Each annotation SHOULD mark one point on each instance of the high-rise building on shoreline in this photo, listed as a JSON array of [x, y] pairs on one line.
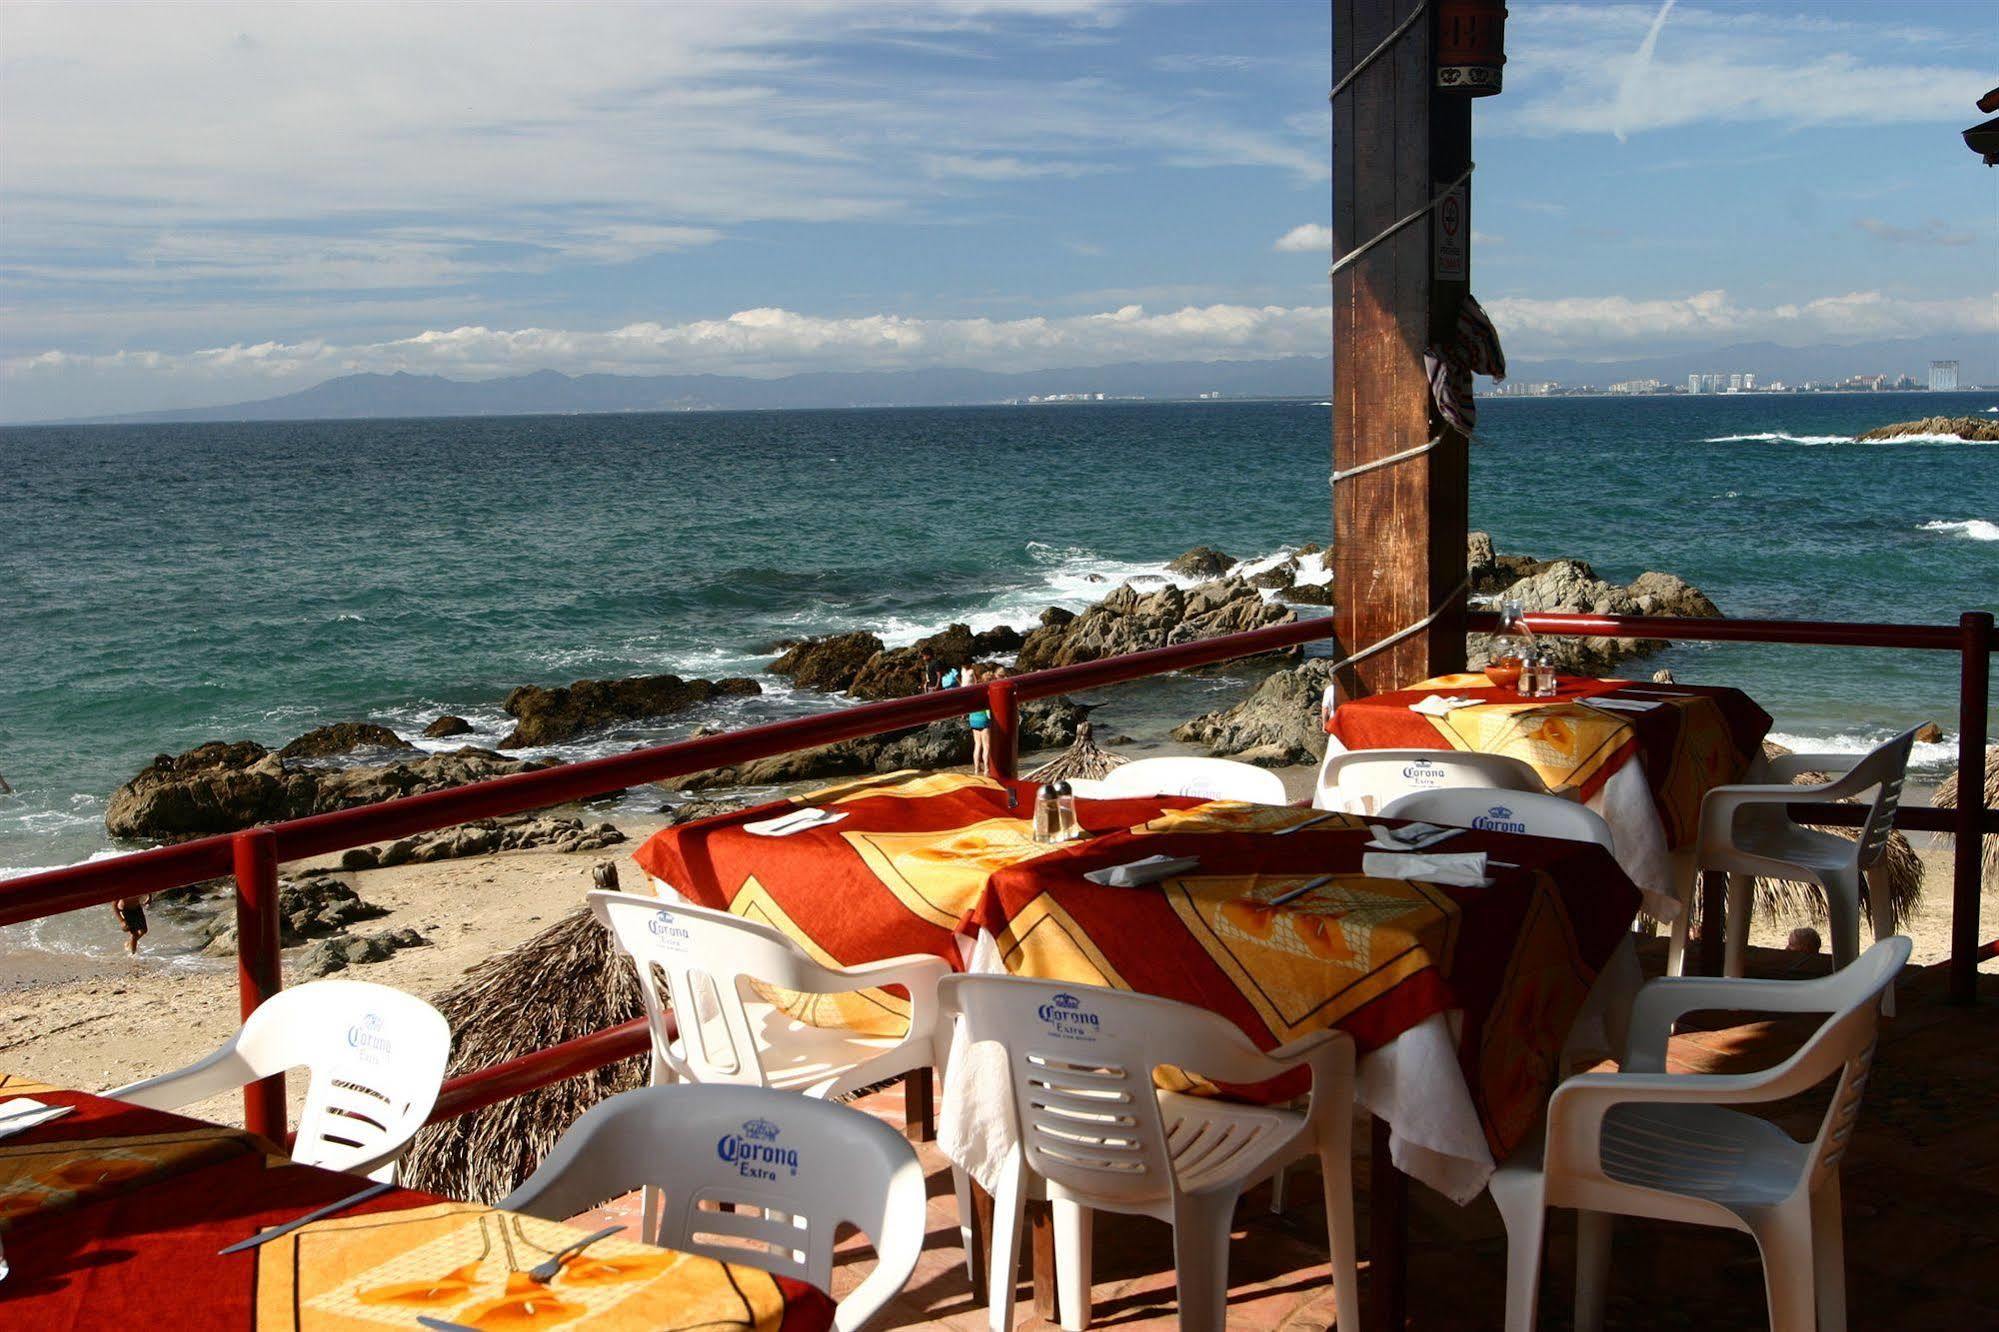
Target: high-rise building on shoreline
[[1943, 376]]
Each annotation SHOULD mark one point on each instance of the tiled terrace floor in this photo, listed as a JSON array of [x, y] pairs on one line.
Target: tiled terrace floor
[[1922, 1206]]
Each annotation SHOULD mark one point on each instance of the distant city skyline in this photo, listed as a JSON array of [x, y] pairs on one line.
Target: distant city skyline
[[214, 204]]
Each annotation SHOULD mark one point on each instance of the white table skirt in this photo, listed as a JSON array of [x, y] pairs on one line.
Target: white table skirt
[[1414, 1083], [1626, 804]]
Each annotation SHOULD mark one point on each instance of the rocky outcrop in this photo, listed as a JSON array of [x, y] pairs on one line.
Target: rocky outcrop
[[1492, 573], [691, 811], [827, 663], [1044, 724], [1131, 621], [549, 716], [443, 728], [337, 954], [898, 672], [1201, 562], [222, 786], [1277, 577], [1275, 725], [343, 738], [1968, 428], [527, 832], [307, 909]]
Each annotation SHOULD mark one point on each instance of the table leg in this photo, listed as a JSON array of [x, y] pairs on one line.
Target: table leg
[[982, 1240], [1714, 920], [1388, 1237], [1041, 1222], [919, 1115]]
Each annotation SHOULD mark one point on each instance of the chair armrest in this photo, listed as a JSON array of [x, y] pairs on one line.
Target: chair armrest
[[1662, 1002], [1576, 1111], [1721, 804], [1787, 767], [916, 972], [220, 1071]]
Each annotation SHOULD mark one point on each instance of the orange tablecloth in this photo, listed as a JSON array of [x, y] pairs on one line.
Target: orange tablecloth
[[1373, 957], [1698, 739], [106, 1228]]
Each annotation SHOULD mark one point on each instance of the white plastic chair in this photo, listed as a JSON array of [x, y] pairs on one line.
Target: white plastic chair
[[1206, 778], [1094, 1133], [1362, 781], [1513, 811], [376, 1058], [728, 1034], [1746, 831], [1643, 1142], [751, 1176]]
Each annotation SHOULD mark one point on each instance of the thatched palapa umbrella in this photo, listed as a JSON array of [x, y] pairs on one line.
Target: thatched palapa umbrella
[[1946, 798], [1081, 759], [565, 982]]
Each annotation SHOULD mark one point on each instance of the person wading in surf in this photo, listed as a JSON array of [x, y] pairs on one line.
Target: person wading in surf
[[131, 913]]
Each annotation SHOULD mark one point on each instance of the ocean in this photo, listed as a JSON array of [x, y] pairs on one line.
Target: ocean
[[165, 585]]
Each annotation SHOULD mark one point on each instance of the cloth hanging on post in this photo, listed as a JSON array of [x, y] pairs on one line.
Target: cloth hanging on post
[[1473, 348]]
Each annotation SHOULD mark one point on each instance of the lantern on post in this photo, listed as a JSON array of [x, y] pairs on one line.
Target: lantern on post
[[1471, 46]]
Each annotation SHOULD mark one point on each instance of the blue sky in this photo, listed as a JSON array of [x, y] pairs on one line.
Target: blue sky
[[208, 204]]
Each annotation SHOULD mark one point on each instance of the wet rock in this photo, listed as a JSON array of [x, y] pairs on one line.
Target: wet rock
[[525, 832], [1044, 724], [690, 811], [1968, 428], [1309, 594], [343, 738], [1571, 586], [221, 787], [827, 663], [549, 716], [1929, 733], [1201, 562], [311, 908], [443, 728], [898, 672], [1131, 621], [1278, 576], [1275, 725]]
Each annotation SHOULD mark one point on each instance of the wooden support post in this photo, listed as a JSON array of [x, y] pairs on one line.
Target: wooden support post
[[259, 965], [1041, 1242], [1974, 688], [1003, 731], [1387, 1305], [1398, 531], [1714, 924], [919, 1115]]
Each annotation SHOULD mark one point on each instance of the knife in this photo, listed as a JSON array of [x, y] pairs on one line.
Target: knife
[[266, 1236]]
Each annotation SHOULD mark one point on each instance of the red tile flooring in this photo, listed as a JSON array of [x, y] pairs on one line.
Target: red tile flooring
[[1921, 1187]]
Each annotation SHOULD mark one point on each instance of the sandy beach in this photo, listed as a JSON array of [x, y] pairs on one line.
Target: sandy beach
[[101, 1022]]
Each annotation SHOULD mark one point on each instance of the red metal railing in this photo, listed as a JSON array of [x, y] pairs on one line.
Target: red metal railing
[[253, 855]]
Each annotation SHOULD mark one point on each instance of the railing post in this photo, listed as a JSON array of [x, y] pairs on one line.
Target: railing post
[[259, 966], [1003, 732], [1974, 683]]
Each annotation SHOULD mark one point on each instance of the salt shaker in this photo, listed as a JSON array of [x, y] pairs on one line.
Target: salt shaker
[[1545, 683], [1065, 806], [1047, 814]]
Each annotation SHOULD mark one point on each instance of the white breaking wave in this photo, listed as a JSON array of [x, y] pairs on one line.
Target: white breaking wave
[[1934, 756], [1977, 529], [1780, 437]]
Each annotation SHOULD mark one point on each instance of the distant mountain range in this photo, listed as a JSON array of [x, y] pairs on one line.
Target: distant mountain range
[[548, 392]]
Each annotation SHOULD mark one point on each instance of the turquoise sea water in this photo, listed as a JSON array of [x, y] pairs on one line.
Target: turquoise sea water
[[165, 585]]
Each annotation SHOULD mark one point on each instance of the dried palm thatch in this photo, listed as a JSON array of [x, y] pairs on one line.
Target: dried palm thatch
[[1080, 759], [1783, 899], [565, 982], [1946, 798]]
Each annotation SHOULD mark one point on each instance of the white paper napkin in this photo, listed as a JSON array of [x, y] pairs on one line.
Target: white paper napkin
[[1612, 703], [797, 820], [1409, 836], [1439, 705], [1139, 872], [1463, 869], [21, 1113]]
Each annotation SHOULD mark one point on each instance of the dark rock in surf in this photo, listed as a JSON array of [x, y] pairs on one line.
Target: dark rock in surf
[[829, 664], [1131, 621], [1201, 562], [546, 716], [343, 738], [443, 728]]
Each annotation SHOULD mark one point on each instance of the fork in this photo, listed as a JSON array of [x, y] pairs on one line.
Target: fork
[[545, 1272]]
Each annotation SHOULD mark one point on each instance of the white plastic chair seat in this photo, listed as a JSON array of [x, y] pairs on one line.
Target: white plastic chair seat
[[798, 1057], [1702, 1151], [1204, 778], [1210, 1140], [1364, 781], [1763, 840]]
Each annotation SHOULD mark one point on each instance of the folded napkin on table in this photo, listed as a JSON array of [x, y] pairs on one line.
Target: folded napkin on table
[[1149, 870], [1462, 869], [797, 820], [22, 1113], [1438, 705], [1409, 836], [1617, 704]]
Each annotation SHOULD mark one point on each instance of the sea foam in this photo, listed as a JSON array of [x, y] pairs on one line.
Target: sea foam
[[1976, 529]]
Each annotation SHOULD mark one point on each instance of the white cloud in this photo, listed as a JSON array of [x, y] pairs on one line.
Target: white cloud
[[1608, 327], [1309, 238], [764, 342], [1625, 69]]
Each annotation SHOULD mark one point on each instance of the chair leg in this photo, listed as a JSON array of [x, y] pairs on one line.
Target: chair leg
[[1201, 1223], [1521, 1208], [1741, 903], [1277, 1189], [1881, 908], [1003, 1270], [968, 1232], [1336, 1172], [1592, 1268], [1842, 908], [1676, 939], [1074, 1255], [1829, 1256], [1789, 1276]]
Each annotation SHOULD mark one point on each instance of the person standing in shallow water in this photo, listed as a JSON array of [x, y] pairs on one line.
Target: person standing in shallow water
[[981, 721], [131, 913]]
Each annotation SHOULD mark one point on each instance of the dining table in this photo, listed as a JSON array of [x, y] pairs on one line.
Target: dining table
[[114, 1214], [1643, 754]]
